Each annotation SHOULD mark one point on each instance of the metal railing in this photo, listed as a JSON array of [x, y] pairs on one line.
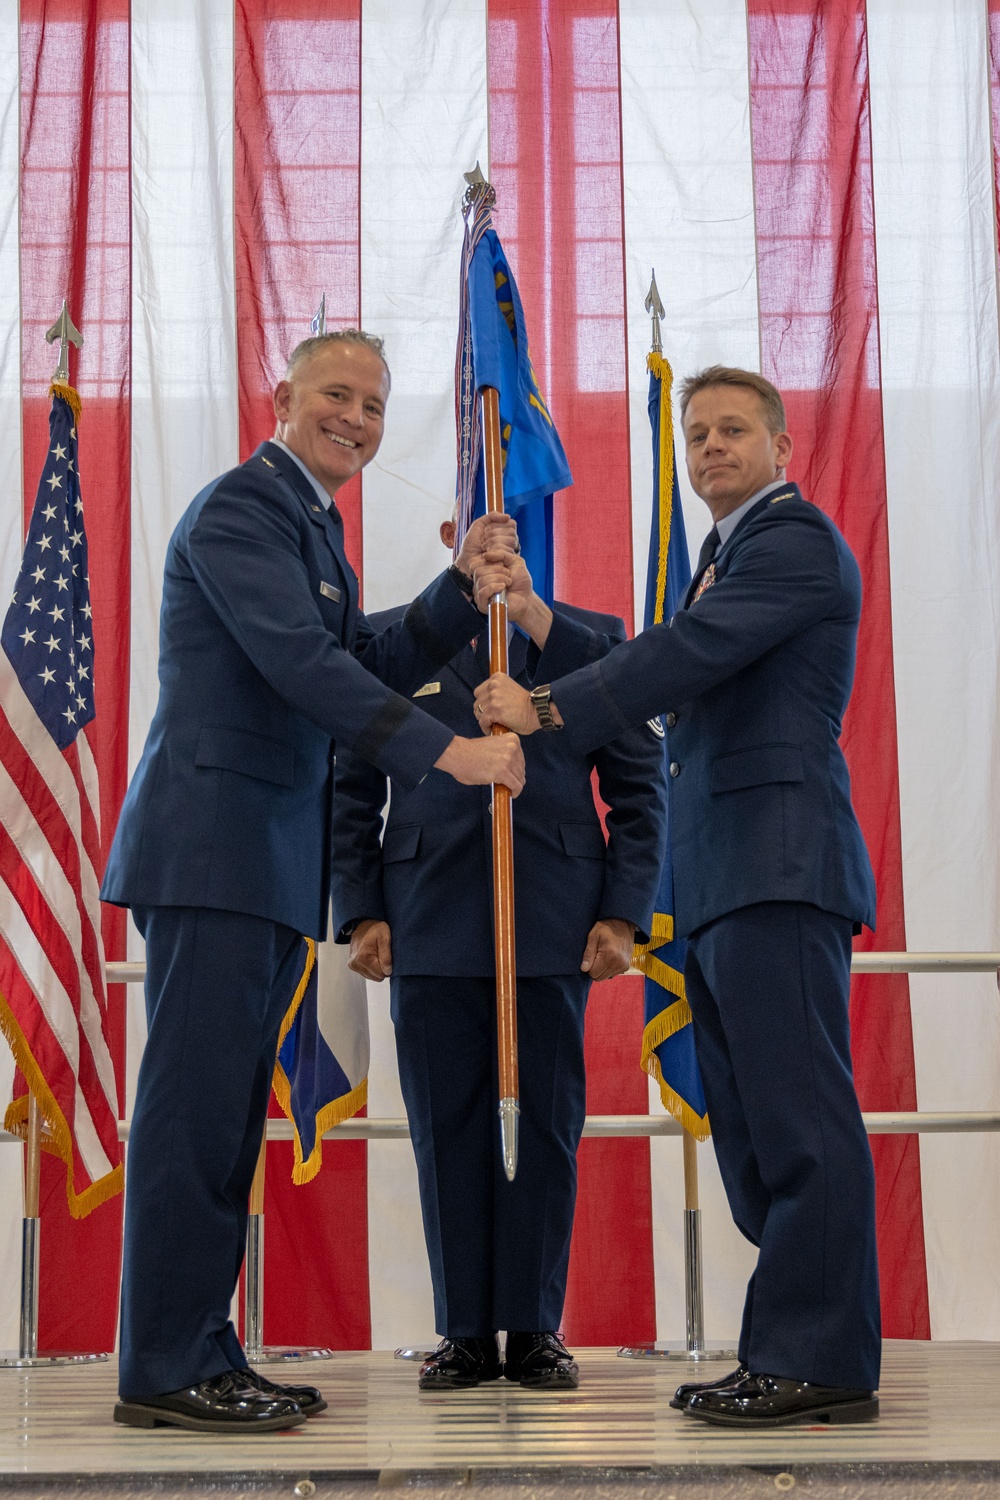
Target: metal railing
[[879, 1122]]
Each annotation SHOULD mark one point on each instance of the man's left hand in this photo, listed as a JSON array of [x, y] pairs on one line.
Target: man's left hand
[[487, 534], [609, 949], [500, 700]]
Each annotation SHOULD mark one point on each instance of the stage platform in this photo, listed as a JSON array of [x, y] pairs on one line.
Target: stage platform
[[939, 1434]]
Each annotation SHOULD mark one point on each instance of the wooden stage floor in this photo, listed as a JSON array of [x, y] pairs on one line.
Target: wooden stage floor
[[939, 1410]]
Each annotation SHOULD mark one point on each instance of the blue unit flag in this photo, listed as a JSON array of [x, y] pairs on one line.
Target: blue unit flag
[[321, 1076], [493, 351], [668, 1039]]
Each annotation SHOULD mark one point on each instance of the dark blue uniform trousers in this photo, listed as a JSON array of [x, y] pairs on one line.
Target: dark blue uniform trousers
[[498, 1251], [768, 988], [218, 984]]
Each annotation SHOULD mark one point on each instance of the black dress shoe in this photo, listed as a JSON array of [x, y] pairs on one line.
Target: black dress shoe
[[683, 1393], [457, 1363], [540, 1360], [772, 1401], [306, 1396], [225, 1403]]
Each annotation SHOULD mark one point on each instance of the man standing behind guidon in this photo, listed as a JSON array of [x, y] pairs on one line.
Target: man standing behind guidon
[[771, 875], [222, 850], [419, 906]]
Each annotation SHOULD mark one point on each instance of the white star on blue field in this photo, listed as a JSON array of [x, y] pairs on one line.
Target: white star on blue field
[[47, 633]]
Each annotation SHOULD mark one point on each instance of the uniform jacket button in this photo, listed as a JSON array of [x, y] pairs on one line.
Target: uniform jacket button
[[675, 769], [671, 720]]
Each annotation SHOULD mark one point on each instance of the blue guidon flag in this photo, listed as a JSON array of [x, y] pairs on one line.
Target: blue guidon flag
[[493, 351], [321, 1076], [667, 1039]]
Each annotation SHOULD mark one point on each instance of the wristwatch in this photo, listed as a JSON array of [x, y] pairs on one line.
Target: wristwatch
[[462, 580], [541, 699]]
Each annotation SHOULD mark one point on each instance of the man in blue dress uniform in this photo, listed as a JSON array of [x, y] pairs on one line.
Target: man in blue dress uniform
[[419, 906], [223, 850], [771, 876]]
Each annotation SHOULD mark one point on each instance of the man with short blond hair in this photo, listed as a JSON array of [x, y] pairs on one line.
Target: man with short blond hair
[[771, 876]]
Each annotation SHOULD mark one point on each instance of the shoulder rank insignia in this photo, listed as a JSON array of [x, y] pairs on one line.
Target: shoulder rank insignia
[[267, 461], [707, 579], [781, 495], [428, 690], [656, 725]]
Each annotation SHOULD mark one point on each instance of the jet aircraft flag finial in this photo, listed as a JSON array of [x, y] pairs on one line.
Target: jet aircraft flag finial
[[64, 329], [656, 311]]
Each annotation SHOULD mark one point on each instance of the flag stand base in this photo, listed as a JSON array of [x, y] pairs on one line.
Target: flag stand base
[[11, 1360], [284, 1354], [414, 1354], [27, 1357], [258, 1353], [694, 1348], [676, 1352]]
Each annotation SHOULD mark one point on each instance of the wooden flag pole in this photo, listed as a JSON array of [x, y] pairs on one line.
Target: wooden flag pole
[[503, 831]]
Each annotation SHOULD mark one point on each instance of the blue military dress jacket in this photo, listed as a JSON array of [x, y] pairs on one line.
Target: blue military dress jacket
[[266, 662], [431, 878], [754, 674]]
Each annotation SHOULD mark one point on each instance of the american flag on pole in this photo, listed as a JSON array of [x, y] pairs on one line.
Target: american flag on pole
[[53, 1003]]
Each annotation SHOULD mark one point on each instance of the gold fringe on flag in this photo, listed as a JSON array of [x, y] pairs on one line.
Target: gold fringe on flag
[[334, 1113], [57, 1138], [69, 395]]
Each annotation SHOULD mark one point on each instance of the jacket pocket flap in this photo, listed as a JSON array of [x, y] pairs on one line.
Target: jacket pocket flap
[[760, 765], [249, 754], [400, 843], [583, 840]]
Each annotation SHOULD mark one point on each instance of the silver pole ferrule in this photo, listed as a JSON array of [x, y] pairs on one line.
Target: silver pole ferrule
[[694, 1304], [253, 1307], [509, 1111], [29, 1288]]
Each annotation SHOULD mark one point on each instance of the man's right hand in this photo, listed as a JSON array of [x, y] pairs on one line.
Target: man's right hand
[[371, 950], [497, 759]]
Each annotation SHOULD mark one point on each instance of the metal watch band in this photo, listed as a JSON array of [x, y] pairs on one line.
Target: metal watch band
[[463, 581], [541, 698]]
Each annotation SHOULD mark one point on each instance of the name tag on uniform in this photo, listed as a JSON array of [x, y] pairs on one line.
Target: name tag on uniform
[[329, 592], [428, 689]]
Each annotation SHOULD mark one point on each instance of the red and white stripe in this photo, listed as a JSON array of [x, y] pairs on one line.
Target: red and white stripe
[[815, 184], [51, 956]]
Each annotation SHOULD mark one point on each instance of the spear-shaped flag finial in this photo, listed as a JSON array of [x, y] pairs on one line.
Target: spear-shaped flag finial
[[656, 311], [318, 324], [64, 329], [479, 191]]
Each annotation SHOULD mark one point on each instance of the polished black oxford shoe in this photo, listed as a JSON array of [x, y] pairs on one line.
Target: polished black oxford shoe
[[683, 1393], [540, 1360], [306, 1396], [225, 1403], [773, 1401], [457, 1363]]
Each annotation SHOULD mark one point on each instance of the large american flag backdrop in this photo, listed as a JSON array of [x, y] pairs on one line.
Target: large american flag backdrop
[[814, 182]]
